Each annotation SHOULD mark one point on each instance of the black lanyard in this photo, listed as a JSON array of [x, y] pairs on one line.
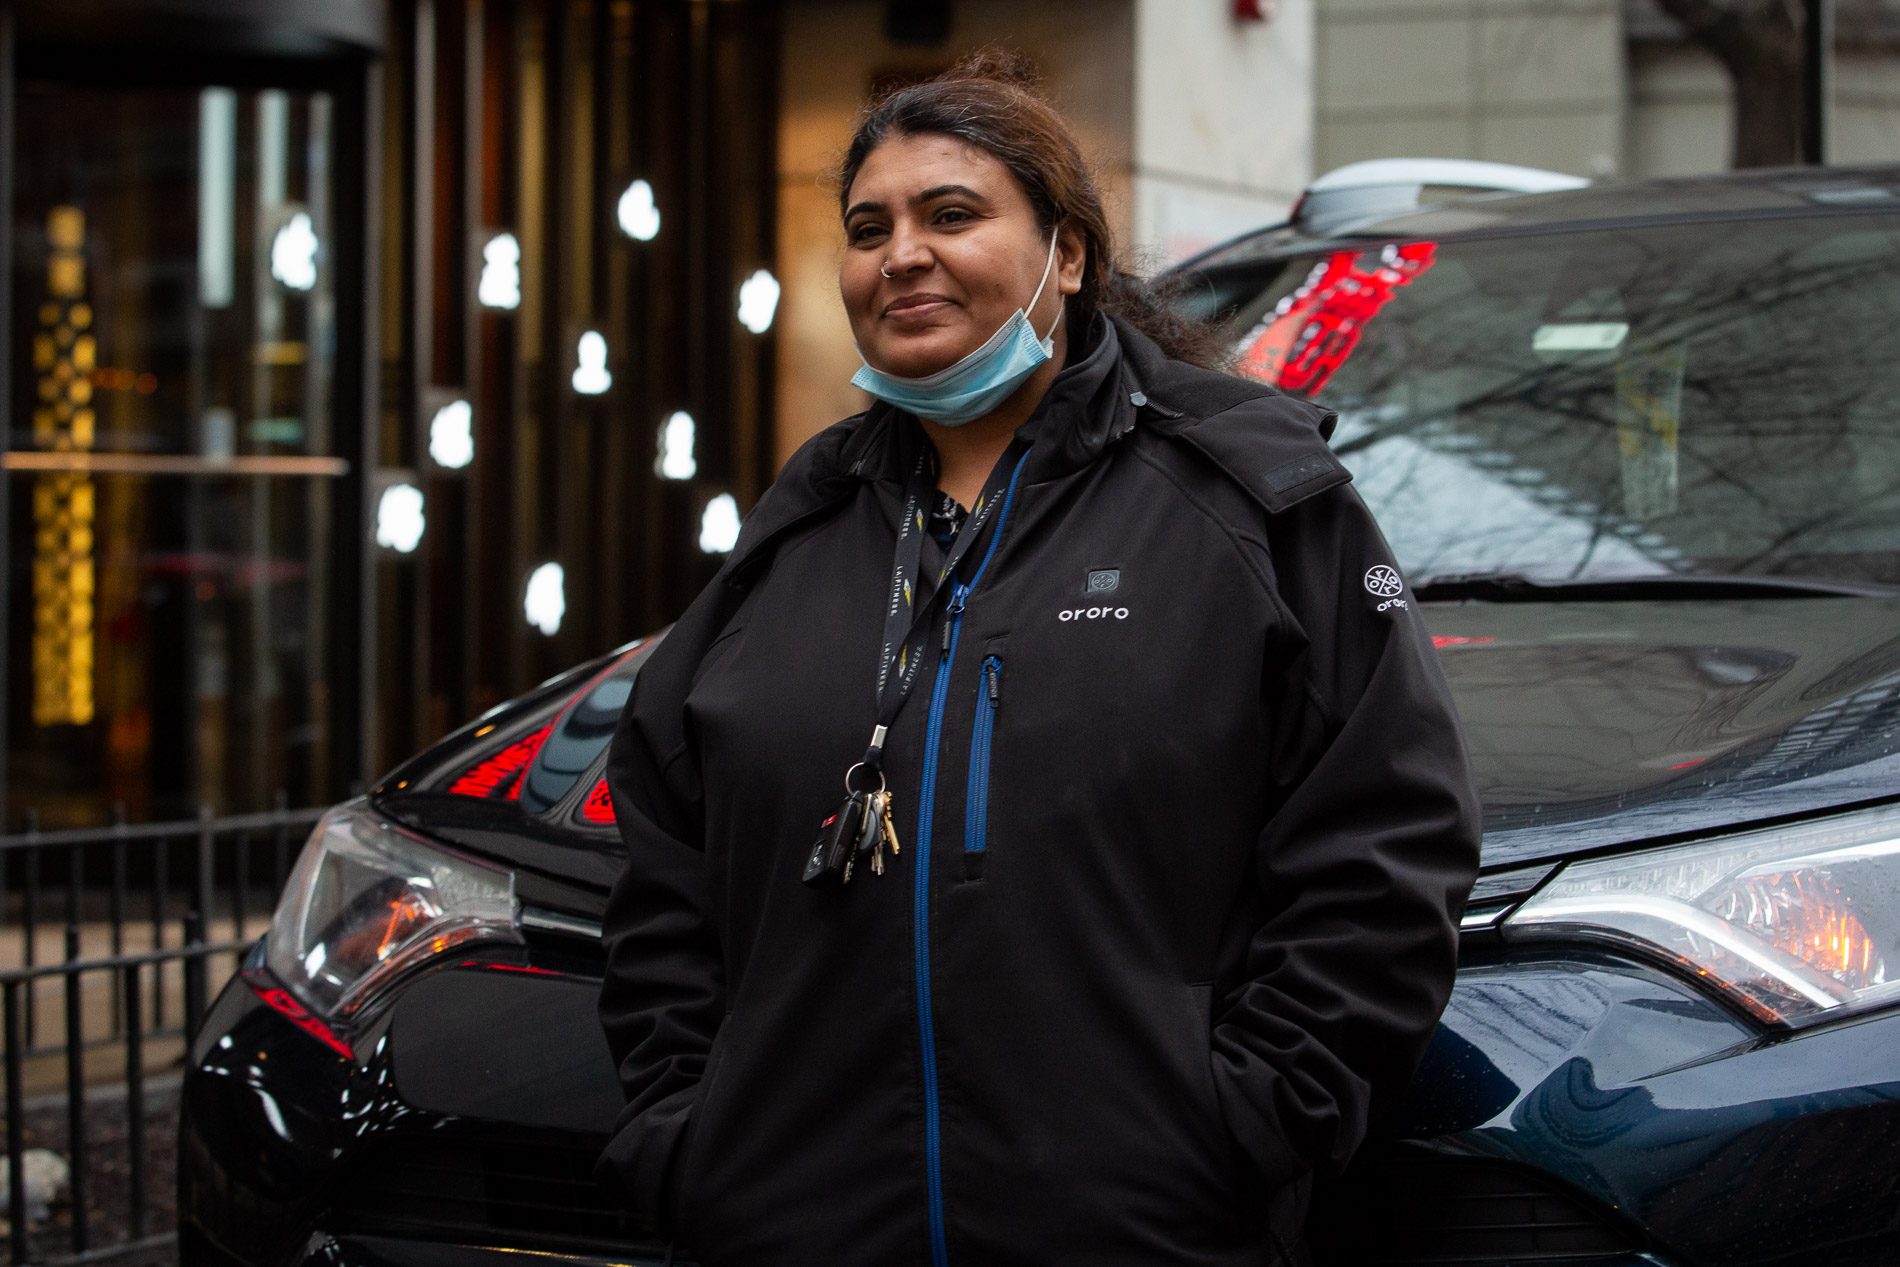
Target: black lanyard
[[906, 623]]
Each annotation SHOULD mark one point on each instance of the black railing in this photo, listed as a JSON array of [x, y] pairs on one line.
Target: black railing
[[203, 890]]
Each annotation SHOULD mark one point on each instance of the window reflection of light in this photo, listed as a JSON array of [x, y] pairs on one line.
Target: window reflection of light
[[1456, 510], [758, 301], [293, 253], [719, 525], [500, 284], [399, 518], [639, 214], [217, 197], [546, 600], [676, 460], [591, 377], [1579, 336], [452, 435]]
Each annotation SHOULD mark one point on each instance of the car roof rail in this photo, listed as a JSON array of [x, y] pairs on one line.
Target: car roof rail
[[1392, 186]]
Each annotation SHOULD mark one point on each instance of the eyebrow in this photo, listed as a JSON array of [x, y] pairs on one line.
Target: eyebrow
[[929, 195]]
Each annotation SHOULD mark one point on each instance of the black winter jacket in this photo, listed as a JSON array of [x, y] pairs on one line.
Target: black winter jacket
[[1180, 909]]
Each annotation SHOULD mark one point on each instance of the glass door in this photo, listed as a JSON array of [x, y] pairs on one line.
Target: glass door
[[176, 490]]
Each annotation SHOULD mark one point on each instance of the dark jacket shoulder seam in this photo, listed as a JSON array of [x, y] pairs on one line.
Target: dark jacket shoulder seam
[[1242, 403], [1235, 536]]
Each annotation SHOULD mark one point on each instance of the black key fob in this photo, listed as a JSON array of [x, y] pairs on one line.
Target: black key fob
[[841, 849], [837, 836]]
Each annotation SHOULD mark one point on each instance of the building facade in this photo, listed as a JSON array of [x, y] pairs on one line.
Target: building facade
[[366, 363]]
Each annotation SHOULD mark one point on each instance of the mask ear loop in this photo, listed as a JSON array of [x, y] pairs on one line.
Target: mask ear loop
[[1046, 270]]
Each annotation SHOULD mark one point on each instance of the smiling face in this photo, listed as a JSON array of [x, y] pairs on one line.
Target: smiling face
[[956, 231]]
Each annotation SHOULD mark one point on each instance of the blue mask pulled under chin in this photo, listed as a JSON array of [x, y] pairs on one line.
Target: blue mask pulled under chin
[[981, 381]]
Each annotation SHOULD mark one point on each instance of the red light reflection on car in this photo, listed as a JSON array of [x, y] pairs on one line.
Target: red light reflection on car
[[284, 1003], [1315, 329], [1459, 640], [491, 774], [489, 965], [599, 807], [500, 774]]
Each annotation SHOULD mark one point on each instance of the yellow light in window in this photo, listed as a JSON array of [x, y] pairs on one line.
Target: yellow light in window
[[66, 275], [63, 506], [66, 228]]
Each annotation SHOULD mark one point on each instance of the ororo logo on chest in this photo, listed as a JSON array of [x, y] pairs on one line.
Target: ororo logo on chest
[[1092, 613]]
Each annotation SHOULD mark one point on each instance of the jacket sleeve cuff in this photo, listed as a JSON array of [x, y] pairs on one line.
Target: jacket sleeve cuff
[[1258, 1134], [641, 1161]]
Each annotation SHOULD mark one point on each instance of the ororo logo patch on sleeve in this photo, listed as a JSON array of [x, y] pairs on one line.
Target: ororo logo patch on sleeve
[[1383, 581]]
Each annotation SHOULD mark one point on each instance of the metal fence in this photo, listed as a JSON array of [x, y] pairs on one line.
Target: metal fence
[[120, 935]]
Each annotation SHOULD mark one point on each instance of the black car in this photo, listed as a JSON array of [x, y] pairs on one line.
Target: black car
[[1638, 451]]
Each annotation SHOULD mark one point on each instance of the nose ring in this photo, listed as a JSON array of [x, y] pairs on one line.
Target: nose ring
[[887, 273]]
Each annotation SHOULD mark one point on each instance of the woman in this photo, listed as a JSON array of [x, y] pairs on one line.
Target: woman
[[1046, 836]]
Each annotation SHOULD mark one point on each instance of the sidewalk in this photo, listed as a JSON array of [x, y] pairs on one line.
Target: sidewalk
[[161, 994]]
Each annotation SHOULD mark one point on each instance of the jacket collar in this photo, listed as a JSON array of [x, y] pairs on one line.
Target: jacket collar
[[1083, 411], [1121, 378], [1091, 403]]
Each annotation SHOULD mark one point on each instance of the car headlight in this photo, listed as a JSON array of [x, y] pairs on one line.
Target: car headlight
[[367, 901], [1798, 924]]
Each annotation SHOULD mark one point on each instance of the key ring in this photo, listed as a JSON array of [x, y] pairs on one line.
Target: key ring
[[852, 772]]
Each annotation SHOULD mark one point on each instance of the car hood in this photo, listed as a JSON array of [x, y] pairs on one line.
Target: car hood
[[1599, 724]]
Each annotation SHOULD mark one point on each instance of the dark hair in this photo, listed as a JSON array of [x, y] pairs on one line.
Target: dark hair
[[990, 100]]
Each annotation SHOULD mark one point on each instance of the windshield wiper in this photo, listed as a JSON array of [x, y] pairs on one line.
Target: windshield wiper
[[1515, 587]]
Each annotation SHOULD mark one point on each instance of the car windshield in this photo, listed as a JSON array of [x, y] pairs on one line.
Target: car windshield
[[1717, 398]]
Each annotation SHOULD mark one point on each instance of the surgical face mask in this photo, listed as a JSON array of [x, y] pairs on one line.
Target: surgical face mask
[[979, 382]]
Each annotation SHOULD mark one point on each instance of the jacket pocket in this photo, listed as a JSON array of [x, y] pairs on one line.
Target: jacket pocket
[[976, 800], [682, 1176], [1233, 1157]]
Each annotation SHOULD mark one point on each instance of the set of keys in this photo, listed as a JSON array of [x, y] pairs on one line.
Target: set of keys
[[861, 827]]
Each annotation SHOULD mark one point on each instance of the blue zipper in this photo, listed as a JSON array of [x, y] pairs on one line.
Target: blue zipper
[[926, 808], [976, 813]]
